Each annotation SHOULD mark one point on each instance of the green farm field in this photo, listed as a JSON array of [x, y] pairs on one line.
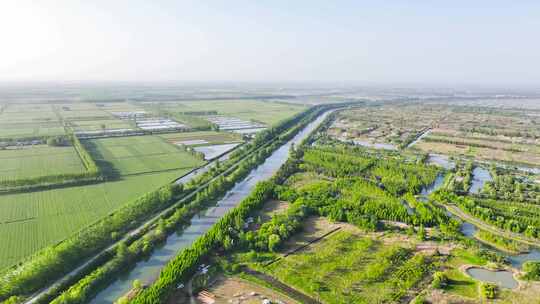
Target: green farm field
[[141, 154], [95, 125], [27, 120], [39, 160], [31, 221]]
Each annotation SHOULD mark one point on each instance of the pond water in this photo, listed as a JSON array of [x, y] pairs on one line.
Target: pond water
[[502, 278], [211, 152], [147, 271], [480, 177], [368, 144], [441, 160], [196, 172]]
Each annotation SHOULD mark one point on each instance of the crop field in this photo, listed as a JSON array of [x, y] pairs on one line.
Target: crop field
[[31, 221], [141, 154], [27, 120], [255, 110], [32, 120], [391, 125], [38, 160], [350, 268], [101, 124]]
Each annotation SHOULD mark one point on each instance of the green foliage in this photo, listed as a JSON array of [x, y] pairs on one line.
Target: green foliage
[[347, 268], [488, 290], [501, 242], [532, 270], [439, 280], [512, 216]]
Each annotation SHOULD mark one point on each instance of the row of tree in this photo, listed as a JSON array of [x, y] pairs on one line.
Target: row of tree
[[510, 216]]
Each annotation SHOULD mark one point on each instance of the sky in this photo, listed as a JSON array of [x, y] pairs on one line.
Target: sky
[[428, 42]]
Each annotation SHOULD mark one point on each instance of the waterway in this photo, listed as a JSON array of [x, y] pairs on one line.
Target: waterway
[[148, 270]]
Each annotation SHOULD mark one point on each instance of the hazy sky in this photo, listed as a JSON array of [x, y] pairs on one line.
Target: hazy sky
[[448, 42]]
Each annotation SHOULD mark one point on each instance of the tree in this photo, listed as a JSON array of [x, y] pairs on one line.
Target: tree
[[421, 233], [273, 242], [439, 280], [137, 284], [488, 290]]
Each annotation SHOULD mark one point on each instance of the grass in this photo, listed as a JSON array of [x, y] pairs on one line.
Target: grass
[[347, 268], [38, 160], [140, 154], [461, 284], [458, 282]]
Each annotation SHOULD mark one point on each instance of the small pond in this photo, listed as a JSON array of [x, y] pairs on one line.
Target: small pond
[[368, 144], [480, 177], [502, 278]]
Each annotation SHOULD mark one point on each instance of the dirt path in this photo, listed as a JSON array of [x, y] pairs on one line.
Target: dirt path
[[286, 289]]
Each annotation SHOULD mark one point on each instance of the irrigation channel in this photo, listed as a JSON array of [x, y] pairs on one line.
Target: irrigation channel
[[503, 278], [148, 270]]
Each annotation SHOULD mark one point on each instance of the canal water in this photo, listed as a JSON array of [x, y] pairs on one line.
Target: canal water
[[148, 270]]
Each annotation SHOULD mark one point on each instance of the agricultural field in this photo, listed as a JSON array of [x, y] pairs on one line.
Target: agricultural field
[[45, 217], [31, 221], [268, 113], [38, 160], [507, 135], [140, 154], [201, 138], [29, 120], [390, 126]]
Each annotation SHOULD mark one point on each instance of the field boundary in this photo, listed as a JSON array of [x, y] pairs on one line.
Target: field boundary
[[316, 240], [282, 287], [92, 174]]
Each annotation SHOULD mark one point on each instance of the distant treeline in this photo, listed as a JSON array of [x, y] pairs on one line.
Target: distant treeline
[[199, 113]]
